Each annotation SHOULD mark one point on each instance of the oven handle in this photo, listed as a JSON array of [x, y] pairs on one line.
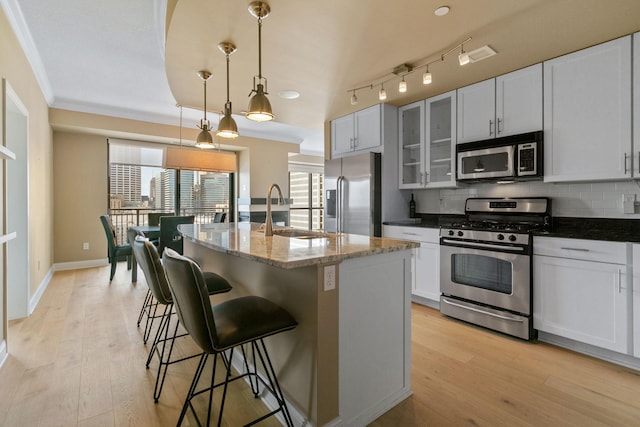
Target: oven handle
[[477, 310], [458, 243]]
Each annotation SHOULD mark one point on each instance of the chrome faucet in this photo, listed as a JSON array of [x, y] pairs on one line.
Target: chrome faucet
[[268, 226]]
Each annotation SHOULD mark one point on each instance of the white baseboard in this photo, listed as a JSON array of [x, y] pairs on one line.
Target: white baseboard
[[3, 352], [35, 299], [590, 350], [76, 265]]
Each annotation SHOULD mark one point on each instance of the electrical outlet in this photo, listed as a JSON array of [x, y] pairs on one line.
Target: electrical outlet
[[85, 246], [329, 277]]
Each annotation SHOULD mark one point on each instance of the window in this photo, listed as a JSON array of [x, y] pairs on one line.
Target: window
[[306, 189], [139, 184]]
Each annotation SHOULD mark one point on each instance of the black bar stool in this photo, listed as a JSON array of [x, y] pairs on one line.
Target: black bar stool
[[223, 327], [147, 256]]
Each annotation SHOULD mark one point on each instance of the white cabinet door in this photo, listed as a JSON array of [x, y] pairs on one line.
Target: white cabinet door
[[342, 135], [476, 111], [368, 132], [411, 136], [426, 262], [636, 104], [587, 114], [582, 300], [427, 271], [519, 101], [440, 140], [359, 131], [636, 300]]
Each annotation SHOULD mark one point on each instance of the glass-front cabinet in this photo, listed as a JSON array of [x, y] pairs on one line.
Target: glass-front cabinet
[[411, 128], [427, 142]]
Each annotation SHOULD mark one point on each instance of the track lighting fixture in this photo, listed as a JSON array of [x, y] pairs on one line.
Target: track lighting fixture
[[382, 94], [227, 127], [426, 77], [259, 106], [402, 86], [405, 69], [463, 58], [204, 139]]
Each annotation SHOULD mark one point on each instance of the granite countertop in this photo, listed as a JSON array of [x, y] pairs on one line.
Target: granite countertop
[[607, 229], [245, 240]]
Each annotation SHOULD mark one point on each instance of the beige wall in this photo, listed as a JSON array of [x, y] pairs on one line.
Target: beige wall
[[80, 175], [15, 68], [80, 189]]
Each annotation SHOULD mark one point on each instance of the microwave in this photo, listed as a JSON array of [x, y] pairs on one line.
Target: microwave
[[508, 158]]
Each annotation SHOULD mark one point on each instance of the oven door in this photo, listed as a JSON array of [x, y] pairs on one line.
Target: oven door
[[479, 273], [494, 162]]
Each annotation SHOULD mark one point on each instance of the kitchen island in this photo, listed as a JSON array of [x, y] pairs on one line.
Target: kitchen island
[[348, 361]]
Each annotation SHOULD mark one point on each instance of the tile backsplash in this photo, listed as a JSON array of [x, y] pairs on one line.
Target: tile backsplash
[[598, 199]]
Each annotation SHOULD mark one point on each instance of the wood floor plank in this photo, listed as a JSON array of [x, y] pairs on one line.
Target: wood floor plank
[[79, 359]]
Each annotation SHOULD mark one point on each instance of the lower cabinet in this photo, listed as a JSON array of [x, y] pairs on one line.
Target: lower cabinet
[[426, 263], [636, 299], [581, 291]]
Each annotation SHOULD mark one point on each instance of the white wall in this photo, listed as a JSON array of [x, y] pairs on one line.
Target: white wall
[[598, 199]]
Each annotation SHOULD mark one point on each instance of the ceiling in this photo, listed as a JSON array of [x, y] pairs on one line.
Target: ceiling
[[137, 59]]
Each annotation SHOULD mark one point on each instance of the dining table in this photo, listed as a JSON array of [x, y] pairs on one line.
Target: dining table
[[151, 232]]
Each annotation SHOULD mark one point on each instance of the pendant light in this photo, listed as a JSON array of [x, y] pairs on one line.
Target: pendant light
[[227, 127], [204, 139], [259, 106]]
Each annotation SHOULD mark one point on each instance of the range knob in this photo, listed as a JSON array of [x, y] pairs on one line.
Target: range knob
[[512, 238], [500, 236], [460, 233], [451, 233]]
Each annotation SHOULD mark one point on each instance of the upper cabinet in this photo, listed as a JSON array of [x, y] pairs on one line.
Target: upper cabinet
[[587, 114], [636, 105], [507, 105], [357, 132], [427, 132], [411, 137]]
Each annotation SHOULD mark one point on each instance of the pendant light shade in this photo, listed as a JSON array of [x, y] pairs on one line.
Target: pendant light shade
[[227, 127], [259, 106], [204, 139]]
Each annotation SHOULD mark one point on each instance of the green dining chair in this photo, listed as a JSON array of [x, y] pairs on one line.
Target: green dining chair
[[115, 251]]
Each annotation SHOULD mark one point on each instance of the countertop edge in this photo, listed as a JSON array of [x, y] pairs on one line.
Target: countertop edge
[[399, 245]]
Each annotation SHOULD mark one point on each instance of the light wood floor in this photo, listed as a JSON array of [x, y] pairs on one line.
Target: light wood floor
[[78, 360]]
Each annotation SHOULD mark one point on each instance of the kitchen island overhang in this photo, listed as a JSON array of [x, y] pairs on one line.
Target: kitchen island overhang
[[348, 361]]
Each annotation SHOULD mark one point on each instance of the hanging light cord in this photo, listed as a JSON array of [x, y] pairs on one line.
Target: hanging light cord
[[227, 104], [260, 48]]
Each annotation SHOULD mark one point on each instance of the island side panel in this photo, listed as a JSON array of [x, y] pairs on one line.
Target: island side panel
[[375, 335], [295, 353]]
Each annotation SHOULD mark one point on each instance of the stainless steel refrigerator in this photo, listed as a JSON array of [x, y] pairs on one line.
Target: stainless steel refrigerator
[[353, 195]]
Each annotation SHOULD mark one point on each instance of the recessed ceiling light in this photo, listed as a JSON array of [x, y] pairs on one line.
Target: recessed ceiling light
[[441, 11], [289, 94]]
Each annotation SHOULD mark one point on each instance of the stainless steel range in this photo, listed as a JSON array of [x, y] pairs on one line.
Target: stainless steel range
[[485, 263]]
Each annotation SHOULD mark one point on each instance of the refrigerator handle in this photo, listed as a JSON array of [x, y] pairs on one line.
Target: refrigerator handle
[[339, 205]]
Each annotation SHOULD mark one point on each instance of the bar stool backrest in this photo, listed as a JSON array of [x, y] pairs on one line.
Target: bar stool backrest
[[191, 299], [149, 259]]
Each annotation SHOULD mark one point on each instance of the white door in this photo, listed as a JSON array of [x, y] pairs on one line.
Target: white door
[[368, 128], [342, 135], [476, 111], [427, 280], [581, 300], [636, 300], [519, 101], [17, 196], [587, 114]]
